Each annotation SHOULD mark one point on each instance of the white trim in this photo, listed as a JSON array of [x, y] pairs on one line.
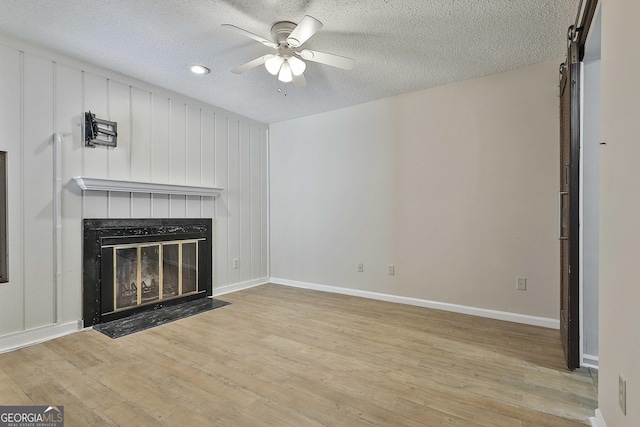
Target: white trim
[[473, 311], [100, 184], [590, 361], [36, 335], [598, 419], [239, 286]]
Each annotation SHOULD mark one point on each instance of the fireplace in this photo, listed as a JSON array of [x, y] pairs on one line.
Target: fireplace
[[134, 265]]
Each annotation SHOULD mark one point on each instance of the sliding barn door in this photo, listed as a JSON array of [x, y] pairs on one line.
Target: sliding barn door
[[568, 206]]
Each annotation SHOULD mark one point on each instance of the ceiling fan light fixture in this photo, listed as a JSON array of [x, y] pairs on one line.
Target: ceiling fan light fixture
[[285, 75], [297, 66], [274, 64], [289, 61]]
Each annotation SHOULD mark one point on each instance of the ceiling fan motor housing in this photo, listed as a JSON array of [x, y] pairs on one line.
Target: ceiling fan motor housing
[[280, 31]]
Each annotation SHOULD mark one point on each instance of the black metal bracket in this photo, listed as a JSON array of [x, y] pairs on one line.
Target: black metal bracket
[[99, 131]]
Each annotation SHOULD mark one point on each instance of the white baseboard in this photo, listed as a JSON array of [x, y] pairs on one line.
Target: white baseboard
[[36, 335], [239, 286], [590, 361], [473, 311], [598, 420]]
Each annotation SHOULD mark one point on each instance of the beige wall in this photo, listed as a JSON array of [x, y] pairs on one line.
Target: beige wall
[[620, 212], [163, 137], [456, 186]]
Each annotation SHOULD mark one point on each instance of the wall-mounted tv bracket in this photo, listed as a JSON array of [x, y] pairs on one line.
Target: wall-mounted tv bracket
[[99, 131]]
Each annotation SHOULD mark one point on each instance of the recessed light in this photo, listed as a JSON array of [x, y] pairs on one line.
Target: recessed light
[[199, 69]]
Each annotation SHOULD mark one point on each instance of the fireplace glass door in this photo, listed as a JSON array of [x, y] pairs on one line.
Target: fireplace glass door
[[147, 273]]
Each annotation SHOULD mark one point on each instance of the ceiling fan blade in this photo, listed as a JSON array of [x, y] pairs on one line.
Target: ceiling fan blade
[[328, 59], [299, 81], [307, 27], [251, 64], [251, 35]]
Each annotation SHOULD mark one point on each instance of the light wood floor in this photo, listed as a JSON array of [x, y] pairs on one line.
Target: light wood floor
[[282, 356]]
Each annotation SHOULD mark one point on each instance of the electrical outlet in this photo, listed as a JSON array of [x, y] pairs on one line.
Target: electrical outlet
[[521, 283], [622, 394], [236, 263], [392, 270], [360, 267]]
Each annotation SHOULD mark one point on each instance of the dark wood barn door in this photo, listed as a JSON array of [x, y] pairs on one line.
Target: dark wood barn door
[[569, 193], [568, 206]]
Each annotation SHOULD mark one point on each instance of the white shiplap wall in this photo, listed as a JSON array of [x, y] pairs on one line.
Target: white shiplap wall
[[162, 137]]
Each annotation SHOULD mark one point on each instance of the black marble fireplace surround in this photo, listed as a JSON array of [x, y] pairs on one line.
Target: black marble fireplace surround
[[102, 235]]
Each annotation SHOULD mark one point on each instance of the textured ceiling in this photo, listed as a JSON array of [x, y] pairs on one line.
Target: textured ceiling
[[399, 45]]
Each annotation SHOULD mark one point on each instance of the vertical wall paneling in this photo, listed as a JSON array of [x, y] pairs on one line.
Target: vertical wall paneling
[[208, 149], [160, 206], [38, 179], [207, 174], [192, 150], [159, 138], [141, 205], [120, 112], [245, 201], [223, 259], [256, 208], [141, 152], [56, 153], [208, 210], [68, 108], [119, 103], [140, 165], [177, 155], [160, 148], [163, 137], [207, 178], [95, 204], [264, 204], [233, 223], [193, 207], [11, 293], [193, 154], [96, 160], [178, 206], [119, 205]]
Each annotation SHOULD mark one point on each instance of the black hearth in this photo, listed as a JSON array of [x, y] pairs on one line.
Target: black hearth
[[134, 265]]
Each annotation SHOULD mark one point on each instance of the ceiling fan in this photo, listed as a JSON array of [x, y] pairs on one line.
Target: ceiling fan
[[287, 63]]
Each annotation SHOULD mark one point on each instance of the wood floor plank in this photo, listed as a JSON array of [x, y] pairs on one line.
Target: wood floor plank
[[292, 357]]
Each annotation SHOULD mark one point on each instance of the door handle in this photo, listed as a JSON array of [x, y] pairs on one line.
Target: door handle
[[560, 198]]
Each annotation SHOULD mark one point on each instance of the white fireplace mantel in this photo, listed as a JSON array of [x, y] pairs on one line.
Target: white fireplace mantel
[[102, 184]]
